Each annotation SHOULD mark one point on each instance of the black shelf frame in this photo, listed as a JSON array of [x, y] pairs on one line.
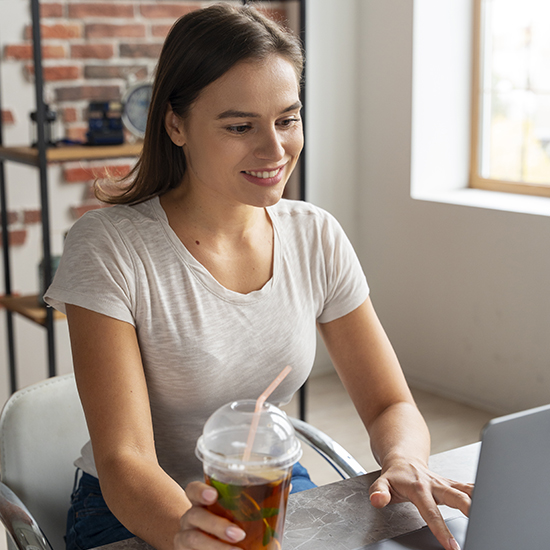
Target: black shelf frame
[[44, 203]]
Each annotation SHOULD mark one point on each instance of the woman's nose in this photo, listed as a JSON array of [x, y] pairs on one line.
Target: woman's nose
[[270, 146]]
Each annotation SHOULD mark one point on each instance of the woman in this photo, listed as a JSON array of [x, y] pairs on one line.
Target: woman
[[203, 283]]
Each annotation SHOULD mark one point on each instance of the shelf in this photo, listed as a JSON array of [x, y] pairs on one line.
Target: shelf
[[29, 155], [29, 307]]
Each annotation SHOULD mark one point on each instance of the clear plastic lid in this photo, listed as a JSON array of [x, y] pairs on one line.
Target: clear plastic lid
[[225, 435]]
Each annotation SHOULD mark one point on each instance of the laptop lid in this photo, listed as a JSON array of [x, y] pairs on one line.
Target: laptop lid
[[511, 501]]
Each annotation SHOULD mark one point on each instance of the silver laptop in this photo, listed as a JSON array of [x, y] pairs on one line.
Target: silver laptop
[[511, 501]]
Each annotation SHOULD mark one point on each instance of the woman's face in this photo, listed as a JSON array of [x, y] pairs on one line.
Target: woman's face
[[243, 135]]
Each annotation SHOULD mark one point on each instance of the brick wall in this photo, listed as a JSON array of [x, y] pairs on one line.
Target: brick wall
[[94, 51]]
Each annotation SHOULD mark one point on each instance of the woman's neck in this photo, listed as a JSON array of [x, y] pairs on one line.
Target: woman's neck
[[234, 243]]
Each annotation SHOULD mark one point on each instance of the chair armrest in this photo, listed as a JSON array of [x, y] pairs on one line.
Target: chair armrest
[[330, 450], [19, 523]]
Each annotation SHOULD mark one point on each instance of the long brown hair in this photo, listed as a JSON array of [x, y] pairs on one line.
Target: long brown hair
[[201, 47]]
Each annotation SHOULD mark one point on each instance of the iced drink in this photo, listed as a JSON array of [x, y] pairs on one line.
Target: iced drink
[[253, 493]]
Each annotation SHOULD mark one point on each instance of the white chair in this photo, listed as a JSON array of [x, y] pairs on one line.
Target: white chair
[[42, 429]]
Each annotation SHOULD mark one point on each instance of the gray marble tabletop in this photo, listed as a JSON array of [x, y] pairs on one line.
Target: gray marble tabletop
[[339, 516]]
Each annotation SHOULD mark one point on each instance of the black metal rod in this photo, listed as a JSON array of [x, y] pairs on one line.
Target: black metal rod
[[43, 175], [10, 332], [303, 112], [303, 389]]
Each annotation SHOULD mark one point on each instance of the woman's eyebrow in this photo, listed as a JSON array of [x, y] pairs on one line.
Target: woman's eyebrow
[[232, 113]]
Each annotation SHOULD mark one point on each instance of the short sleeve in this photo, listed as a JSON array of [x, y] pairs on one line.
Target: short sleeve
[[95, 271], [346, 285]]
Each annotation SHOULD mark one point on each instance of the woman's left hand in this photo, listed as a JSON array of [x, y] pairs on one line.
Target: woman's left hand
[[411, 481]]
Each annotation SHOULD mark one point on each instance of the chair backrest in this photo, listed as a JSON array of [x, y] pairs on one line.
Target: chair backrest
[[42, 429]]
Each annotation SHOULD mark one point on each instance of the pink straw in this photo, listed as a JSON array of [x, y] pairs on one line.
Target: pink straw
[[258, 411]]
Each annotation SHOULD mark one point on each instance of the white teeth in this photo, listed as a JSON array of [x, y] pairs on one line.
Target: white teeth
[[263, 175]]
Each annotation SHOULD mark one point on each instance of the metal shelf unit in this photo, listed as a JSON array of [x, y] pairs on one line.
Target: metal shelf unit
[[39, 157]]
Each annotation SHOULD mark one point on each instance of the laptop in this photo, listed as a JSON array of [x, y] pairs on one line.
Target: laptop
[[511, 500]]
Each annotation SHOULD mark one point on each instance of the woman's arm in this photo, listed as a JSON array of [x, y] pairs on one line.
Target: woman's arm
[[113, 391], [370, 372]]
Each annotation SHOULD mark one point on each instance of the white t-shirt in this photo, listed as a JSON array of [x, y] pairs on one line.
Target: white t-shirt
[[203, 345]]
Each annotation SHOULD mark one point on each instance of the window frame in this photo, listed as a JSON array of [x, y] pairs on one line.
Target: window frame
[[476, 180]]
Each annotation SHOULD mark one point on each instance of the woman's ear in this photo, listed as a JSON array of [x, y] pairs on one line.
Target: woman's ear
[[174, 127]]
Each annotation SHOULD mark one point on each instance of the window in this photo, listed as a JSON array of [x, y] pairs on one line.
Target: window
[[511, 102]]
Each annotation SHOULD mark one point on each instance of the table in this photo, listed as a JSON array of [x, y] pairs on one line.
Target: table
[[339, 516]]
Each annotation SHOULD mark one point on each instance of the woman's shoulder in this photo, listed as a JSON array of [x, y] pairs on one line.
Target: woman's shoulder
[[303, 216], [296, 209], [109, 218]]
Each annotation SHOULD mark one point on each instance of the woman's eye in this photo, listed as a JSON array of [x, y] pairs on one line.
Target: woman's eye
[[239, 129], [288, 122]]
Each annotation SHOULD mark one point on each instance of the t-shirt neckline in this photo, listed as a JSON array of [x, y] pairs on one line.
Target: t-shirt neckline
[[203, 275]]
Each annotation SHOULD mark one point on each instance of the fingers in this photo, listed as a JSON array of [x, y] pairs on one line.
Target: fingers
[[426, 490], [455, 495], [201, 529], [429, 511], [196, 540], [380, 493], [201, 494]]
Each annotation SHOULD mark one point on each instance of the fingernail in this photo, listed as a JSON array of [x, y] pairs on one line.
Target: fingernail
[[210, 495], [235, 534], [453, 544]]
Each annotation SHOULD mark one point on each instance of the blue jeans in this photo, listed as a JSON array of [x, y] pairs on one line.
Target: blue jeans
[[90, 523]]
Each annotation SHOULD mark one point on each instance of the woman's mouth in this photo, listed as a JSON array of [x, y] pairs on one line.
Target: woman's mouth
[[264, 177]]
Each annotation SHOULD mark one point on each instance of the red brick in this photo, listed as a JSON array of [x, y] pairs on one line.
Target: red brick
[[76, 133], [77, 93], [87, 173], [32, 216], [100, 30], [17, 237], [60, 72], [24, 51], [151, 51], [167, 11], [51, 10], [100, 9], [66, 72], [115, 71], [58, 31], [160, 31], [69, 114], [92, 51], [8, 116], [77, 174]]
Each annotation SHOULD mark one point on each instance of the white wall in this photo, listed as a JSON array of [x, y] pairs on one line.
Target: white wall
[[331, 117], [462, 291]]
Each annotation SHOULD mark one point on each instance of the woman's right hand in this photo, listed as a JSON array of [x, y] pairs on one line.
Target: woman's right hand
[[200, 529]]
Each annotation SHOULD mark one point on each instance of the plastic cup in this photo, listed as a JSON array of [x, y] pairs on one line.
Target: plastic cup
[[253, 494]]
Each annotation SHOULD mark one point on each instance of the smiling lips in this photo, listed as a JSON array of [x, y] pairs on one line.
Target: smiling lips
[[264, 177]]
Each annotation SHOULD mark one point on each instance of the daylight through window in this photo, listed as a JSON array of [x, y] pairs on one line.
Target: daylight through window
[[511, 115]]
